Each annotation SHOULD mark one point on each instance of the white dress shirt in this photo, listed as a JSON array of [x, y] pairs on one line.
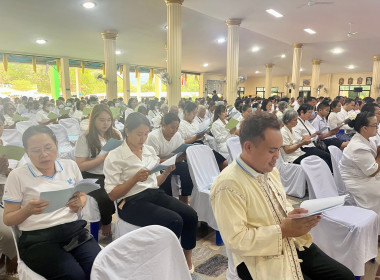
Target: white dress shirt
[[300, 130], [188, 130], [162, 146], [288, 139], [320, 123], [221, 134]]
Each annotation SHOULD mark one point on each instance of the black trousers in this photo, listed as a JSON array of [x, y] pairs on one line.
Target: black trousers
[[333, 142], [42, 251], [315, 265], [317, 152], [155, 207], [105, 204], [181, 169]]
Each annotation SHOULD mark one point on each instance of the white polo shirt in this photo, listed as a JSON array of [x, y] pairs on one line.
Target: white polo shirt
[[82, 150], [121, 164], [163, 147], [8, 120], [187, 129], [27, 182], [42, 116]]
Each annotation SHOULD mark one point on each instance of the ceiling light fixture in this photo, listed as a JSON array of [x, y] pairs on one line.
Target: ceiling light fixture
[[205, 64], [166, 27], [88, 4], [351, 66], [257, 72], [283, 56], [41, 41], [309, 30], [337, 51], [255, 49], [274, 13], [301, 69], [118, 52], [221, 40]]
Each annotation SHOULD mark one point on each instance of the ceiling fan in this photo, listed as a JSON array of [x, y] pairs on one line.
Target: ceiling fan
[[350, 33], [311, 3]]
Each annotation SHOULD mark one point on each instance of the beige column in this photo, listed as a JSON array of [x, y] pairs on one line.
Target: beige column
[[174, 43], [138, 85], [375, 90], [157, 86], [297, 56], [315, 72], [65, 78], [232, 59], [201, 81], [77, 81], [109, 37], [268, 79], [126, 83]]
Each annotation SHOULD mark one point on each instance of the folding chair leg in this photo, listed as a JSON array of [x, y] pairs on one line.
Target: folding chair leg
[[218, 238], [95, 230]]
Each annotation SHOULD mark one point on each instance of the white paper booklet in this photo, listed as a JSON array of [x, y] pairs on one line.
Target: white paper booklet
[[165, 164], [320, 205]]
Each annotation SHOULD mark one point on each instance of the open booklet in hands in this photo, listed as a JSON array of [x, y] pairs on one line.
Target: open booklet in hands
[[163, 165], [59, 199], [320, 205]]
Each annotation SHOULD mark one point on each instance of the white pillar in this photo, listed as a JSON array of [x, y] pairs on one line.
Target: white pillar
[[232, 59], [201, 85], [109, 37], [268, 80], [297, 56], [375, 77], [138, 85], [174, 43], [77, 81], [315, 76], [126, 83], [65, 78]]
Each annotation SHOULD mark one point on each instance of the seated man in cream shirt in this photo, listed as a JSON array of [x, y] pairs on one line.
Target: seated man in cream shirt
[[255, 220]]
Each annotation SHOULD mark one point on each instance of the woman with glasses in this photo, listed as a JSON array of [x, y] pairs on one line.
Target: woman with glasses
[[360, 163], [56, 244], [90, 158]]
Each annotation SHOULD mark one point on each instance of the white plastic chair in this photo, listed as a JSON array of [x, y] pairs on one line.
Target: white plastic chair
[[336, 156], [12, 137], [24, 272], [151, 252], [24, 125], [348, 234], [72, 127], [293, 177], [234, 147], [122, 227], [64, 147]]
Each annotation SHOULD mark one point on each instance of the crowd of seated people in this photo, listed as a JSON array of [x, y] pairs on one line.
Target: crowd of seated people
[[150, 132]]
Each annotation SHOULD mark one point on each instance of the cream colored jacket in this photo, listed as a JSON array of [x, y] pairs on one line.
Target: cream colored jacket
[[248, 220]]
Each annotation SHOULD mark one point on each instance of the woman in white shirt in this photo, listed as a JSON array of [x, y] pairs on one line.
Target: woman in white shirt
[[246, 111], [54, 244], [78, 115], [188, 129], [219, 130], [42, 115], [360, 163], [90, 158], [301, 132], [132, 103], [335, 119], [9, 112], [164, 141], [153, 110], [140, 201]]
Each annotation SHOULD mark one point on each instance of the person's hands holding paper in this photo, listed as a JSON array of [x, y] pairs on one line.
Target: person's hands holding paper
[[306, 140], [77, 202], [293, 226], [168, 170], [36, 206], [142, 175]]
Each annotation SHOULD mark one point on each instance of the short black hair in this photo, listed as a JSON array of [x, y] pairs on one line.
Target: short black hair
[[370, 107], [304, 108], [37, 129], [169, 118], [134, 120], [323, 105], [348, 101], [253, 128]]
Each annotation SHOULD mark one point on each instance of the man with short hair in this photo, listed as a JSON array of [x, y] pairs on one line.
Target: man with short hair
[[255, 220], [298, 103]]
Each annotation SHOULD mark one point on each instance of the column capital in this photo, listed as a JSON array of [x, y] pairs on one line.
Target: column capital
[[233, 21], [376, 58], [109, 34], [174, 2], [297, 45], [316, 61], [269, 65]]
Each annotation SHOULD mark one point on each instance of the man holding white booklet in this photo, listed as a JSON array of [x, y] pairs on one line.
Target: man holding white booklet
[[267, 237]]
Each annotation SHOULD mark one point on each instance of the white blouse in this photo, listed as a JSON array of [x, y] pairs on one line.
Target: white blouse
[[8, 120], [288, 139], [300, 130], [188, 130], [163, 147], [221, 134], [42, 116], [121, 164]]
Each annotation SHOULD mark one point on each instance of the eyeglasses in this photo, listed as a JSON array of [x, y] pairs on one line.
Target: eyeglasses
[[39, 151], [373, 125]]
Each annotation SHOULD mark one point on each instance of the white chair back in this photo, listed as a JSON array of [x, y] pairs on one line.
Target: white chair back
[[203, 171], [151, 252], [24, 125], [319, 179], [12, 137], [71, 125], [24, 272], [234, 147], [65, 149], [336, 156]]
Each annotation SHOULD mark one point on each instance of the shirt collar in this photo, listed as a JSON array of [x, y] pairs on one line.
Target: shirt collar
[[247, 168], [127, 152], [36, 173]]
